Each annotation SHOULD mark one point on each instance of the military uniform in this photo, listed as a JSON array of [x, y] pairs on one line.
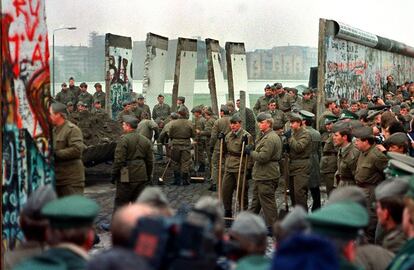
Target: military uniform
[[139, 109], [122, 113], [99, 96], [183, 107], [68, 148], [394, 239], [65, 96], [199, 141], [279, 118], [180, 132], [284, 102], [147, 128], [206, 134], [329, 163], [308, 105], [75, 90], [135, 152], [314, 176], [321, 120], [266, 173], [347, 162], [261, 104], [160, 113], [221, 125], [300, 145], [86, 98], [234, 142]]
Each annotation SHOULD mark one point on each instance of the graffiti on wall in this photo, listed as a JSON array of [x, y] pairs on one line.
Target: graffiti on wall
[[26, 157], [120, 77], [354, 70]]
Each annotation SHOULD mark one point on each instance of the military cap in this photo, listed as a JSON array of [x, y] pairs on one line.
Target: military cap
[[39, 198], [83, 84], [126, 102], [346, 114], [58, 107], [181, 98], [330, 119], [272, 100], [363, 132], [340, 126], [80, 103], [70, 103], [71, 78], [71, 212], [263, 116], [97, 85], [306, 115], [133, 121], [341, 219], [294, 90], [295, 220], [160, 95], [267, 86], [397, 168], [235, 118], [63, 84], [208, 111], [363, 113], [398, 138], [153, 195], [353, 101], [391, 187], [401, 157], [306, 91], [278, 86], [410, 192], [96, 101], [140, 96], [196, 109], [330, 100], [404, 105], [363, 100], [247, 223], [224, 109], [348, 193], [295, 117], [354, 124]]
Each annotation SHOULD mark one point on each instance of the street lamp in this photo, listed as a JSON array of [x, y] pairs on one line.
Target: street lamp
[[53, 52]]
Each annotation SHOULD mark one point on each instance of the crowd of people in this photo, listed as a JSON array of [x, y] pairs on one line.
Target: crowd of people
[[358, 151]]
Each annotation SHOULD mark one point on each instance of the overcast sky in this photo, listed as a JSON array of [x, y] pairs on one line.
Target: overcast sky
[[260, 24]]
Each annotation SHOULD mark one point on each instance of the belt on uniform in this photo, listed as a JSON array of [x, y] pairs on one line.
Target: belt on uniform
[[296, 160]]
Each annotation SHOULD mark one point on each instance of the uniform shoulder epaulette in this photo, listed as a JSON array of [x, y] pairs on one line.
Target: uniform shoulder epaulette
[[70, 124]]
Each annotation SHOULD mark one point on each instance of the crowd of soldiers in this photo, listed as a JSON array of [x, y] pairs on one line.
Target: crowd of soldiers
[[358, 150]]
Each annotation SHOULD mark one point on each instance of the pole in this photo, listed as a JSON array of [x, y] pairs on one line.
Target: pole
[[53, 63], [219, 170], [238, 180]]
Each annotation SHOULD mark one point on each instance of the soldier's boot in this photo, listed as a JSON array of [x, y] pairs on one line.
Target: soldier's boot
[[186, 179], [316, 198], [177, 179], [228, 222]]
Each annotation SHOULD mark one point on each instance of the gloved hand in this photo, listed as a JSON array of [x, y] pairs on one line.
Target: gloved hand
[[248, 149], [221, 136], [245, 139], [288, 134]]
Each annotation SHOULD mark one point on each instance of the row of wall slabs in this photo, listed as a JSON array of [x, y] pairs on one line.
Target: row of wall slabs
[[119, 71]]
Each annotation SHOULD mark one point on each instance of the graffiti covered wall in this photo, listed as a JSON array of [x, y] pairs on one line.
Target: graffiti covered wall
[[26, 135], [118, 67], [352, 63]]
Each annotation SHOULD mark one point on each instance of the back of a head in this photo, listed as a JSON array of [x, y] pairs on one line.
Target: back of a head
[[348, 193], [154, 197], [208, 210], [124, 221], [118, 258]]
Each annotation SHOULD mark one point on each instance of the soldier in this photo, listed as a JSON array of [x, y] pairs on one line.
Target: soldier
[[283, 100], [126, 111], [141, 107], [133, 163], [330, 105], [147, 127], [180, 132], [389, 208], [231, 107], [279, 117], [97, 107], [329, 163], [206, 135], [68, 148], [308, 104], [369, 171], [300, 145], [266, 171], [199, 142], [397, 142], [84, 96], [293, 93], [160, 113], [65, 95], [314, 176], [74, 89], [390, 86], [233, 145], [220, 128], [69, 108], [347, 154], [263, 101], [99, 94], [180, 104], [70, 234], [354, 106]]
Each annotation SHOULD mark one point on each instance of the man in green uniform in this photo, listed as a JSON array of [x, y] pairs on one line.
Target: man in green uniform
[[220, 128], [141, 107], [84, 96], [266, 172], [99, 94], [328, 163], [181, 104], [68, 147], [234, 141], [330, 105], [261, 103], [206, 135], [279, 117], [133, 163], [199, 141], [70, 234], [160, 113], [369, 170], [74, 89], [180, 132], [300, 145], [404, 259], [308, 104], [284, 101], [126, 111], [147, 127], [65, 95]]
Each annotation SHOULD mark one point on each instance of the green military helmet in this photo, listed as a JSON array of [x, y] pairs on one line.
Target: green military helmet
[[342, 219], [133, 121], [392, 187], [278, 86], [295, 117], [58, 107], [235, 118], [340, 126], [398, 139], [73, 211], [196, 109], [330, 119], [363, 132], [272, 100], [268, 86], [181, 98], [397, 168], [263, 116], [224, 109], [346, 114], [306, 115], [329, 101], [401, 157]]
